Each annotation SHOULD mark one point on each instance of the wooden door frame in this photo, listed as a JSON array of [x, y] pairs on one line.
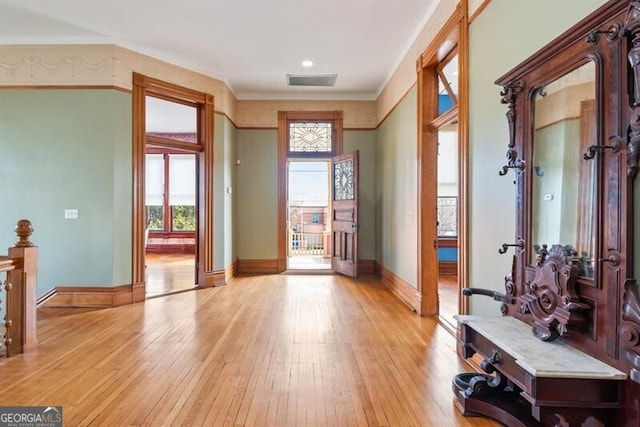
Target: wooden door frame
[[143, 86], [283, 119], [453, 33]]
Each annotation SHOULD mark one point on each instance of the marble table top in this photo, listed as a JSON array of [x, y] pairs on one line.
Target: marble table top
[[539, 358]]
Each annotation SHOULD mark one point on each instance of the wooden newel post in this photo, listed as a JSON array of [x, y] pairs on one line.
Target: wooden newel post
[[21, 297]]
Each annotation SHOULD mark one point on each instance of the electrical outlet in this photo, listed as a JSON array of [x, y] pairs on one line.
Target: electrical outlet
[[71, 214]]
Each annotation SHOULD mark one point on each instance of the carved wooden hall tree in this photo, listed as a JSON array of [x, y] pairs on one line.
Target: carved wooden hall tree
[[567, 349]]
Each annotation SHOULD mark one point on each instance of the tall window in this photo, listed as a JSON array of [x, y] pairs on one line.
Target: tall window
[[170, 191]]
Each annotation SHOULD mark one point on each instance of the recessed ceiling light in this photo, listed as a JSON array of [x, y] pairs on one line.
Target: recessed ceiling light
[[307, 63]]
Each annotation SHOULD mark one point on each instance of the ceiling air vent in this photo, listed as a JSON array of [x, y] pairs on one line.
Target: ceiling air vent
[[311, 80]]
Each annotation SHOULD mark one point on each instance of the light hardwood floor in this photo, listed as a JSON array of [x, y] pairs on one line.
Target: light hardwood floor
[[448, 295], [169, 273], [266, 350]]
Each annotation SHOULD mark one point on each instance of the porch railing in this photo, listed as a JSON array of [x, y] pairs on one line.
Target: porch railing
[[18, 293], [309, 244]]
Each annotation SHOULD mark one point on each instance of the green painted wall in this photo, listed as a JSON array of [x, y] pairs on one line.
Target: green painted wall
[[396, 190], [557, 153], [69, 149], [257, 194], [224, 180], [229, 186], [492, 54], [365, 142]]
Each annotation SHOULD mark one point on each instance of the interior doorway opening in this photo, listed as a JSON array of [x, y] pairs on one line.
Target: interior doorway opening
[[308, 215], [447, 205], [147, 91], [442, 158], [171, 224]]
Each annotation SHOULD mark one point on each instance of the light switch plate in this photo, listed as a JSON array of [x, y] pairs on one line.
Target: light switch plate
[[71, 214]]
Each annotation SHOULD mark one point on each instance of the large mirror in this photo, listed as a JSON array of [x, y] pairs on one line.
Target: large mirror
[[563, 182], [573, 132]]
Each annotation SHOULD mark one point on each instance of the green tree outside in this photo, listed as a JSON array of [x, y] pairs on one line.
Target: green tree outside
[[183, 218]]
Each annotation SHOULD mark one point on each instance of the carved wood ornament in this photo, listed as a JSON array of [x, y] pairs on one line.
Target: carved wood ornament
[[630, 328], [551, 297], [630, 332], [509, 96], [632, 28], [586, 301]]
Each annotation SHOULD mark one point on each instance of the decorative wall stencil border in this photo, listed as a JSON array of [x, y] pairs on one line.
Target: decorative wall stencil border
[[100, 65], [264, 113], [62, 65], [128, 61], [33, 64], [111, 65]]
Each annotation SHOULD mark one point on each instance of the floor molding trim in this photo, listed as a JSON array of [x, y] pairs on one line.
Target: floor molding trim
[[46, 297], [447, 267], [89, 296], [210, 278], [219, 277], [403, 290], [257, 266], [367, 266], [230, 272]]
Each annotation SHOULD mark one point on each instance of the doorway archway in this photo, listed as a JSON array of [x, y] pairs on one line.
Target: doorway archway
[[144, 86]]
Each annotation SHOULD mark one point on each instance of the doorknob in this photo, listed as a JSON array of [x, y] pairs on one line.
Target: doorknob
[[613, 258]]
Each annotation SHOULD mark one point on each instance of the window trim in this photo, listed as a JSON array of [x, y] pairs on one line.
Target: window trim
[[167, 220]]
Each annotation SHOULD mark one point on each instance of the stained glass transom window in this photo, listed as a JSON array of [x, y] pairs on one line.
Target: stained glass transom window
[[343, 180], [310, 137]]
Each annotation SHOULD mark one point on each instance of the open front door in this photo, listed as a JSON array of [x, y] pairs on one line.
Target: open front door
[[344, 214]]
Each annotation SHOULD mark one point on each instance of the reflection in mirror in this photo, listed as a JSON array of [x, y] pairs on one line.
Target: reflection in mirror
[[448, 85], [563, 183]]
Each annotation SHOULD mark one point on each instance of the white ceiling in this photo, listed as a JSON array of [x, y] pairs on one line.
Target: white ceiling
[[249, 44]]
